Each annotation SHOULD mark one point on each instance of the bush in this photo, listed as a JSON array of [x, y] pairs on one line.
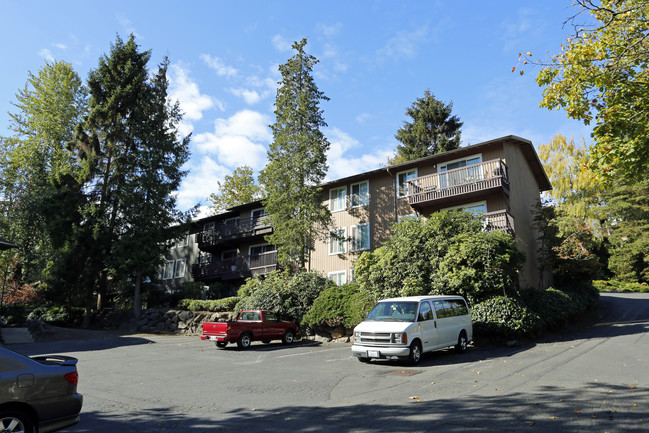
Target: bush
[[553, 306], [505, 317], [620, 286], [290, 296], [346, 305], [216, 305], [58, 316]]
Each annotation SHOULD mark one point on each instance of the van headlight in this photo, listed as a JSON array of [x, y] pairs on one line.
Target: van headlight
[[399, 337]]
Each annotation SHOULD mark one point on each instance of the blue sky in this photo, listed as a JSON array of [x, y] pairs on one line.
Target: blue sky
[[376, 58]]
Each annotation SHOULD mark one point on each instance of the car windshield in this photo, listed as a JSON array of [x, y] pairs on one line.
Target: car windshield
[[394, 311]]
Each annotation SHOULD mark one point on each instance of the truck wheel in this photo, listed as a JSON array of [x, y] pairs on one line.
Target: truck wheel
[[415, 353], [221, 344], [245, 340], [289, 337], [460, 347]]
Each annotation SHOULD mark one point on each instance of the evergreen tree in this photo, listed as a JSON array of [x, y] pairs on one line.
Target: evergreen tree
[[432, 130], [133, 156], [297, 162]]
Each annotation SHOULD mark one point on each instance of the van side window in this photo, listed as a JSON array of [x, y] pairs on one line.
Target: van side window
[[459, 307], [425, 312], [443, 309]]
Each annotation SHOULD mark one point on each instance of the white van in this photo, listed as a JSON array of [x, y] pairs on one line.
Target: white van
[[404, 328]]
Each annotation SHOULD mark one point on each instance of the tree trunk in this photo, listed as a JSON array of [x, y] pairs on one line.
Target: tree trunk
[[137, 297]]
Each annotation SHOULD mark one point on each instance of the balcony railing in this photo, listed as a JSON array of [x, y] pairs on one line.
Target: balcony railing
[[236, 267], [233, 230], [499, 220], [459, 181]]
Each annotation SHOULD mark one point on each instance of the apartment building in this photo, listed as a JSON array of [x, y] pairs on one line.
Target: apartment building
[[500, 179]]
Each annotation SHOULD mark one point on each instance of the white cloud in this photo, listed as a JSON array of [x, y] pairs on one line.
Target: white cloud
[[185, 91], [403, 45], [363, 117], [281, 44], [60, 46], [330, 30], [219, 66], [201, 182], [238, 140], [46, 54], [250, 96], [127, 26], [342, 164]]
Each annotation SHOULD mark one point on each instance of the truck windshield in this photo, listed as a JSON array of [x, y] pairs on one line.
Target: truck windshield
[[396, 311]]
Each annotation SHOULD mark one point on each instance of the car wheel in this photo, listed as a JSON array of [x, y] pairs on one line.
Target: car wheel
[[245, 340], [415, 353], [15, 420], [289, 337], [363, 359], [462, 342], [221, 344]]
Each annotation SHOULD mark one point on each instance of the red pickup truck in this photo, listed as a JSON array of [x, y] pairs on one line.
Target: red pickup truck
[[252, 325]]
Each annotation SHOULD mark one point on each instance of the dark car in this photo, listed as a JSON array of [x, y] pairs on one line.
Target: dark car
[[38, 393]]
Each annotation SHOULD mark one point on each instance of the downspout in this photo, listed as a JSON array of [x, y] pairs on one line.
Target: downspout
[[394, 192]]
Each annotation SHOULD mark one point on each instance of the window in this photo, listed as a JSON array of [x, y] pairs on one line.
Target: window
[[209, 227], [425, 312], [183, 241], [459, 177], [338, 199], [181, 264], [258, 218], [168, 271], [260, 249], [228, 254], [402, 181], [338, 277], [361, 237], [360, 194], [412, 216], [475, 208], [205, 258], [337, 241]]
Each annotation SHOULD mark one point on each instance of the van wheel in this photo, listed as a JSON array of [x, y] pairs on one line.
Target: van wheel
[[415, 353], [462, 342], [245, 340]]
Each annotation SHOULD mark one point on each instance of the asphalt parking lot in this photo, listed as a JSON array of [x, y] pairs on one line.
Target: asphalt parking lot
[[591, 379]]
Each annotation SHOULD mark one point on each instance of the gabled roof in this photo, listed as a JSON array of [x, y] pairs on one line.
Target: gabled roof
[[526, 146]]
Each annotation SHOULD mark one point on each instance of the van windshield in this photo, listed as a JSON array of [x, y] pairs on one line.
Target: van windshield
[[394, 311]]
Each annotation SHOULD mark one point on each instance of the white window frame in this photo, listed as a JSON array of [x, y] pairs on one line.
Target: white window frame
[[183, 242], [365, 201], [182, 264], [261, 245], [169, 265], [334, 199], [441, 167], [403, 192], [205, 258], [355, 240], [335, 276], [338, 232]]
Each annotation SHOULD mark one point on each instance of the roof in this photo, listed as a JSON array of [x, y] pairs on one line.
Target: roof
[[526, 146]]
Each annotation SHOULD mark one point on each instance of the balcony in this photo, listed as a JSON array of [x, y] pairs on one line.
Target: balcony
[[460, 183], [499, 220], [236, 267], [226, 232]]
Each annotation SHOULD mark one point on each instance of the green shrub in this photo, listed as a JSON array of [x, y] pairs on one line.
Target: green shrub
[[58, 316], [620, 286], [346, 305], [215, 305], [290, 296], [504, 317], [552, 305], [14, 315]]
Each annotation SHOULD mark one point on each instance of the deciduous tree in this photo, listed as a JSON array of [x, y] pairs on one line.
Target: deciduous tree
[[236, 189], [602, 74], [297, 162]]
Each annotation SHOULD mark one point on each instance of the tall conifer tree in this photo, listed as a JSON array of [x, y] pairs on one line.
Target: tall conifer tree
[[297, 162]]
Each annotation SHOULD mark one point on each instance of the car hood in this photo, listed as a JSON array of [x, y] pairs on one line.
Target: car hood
[[382, 326]]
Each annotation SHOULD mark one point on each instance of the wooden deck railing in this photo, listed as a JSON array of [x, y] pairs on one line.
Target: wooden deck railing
[[473, 178], [499, 220], [233, 230], [236, 267]]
